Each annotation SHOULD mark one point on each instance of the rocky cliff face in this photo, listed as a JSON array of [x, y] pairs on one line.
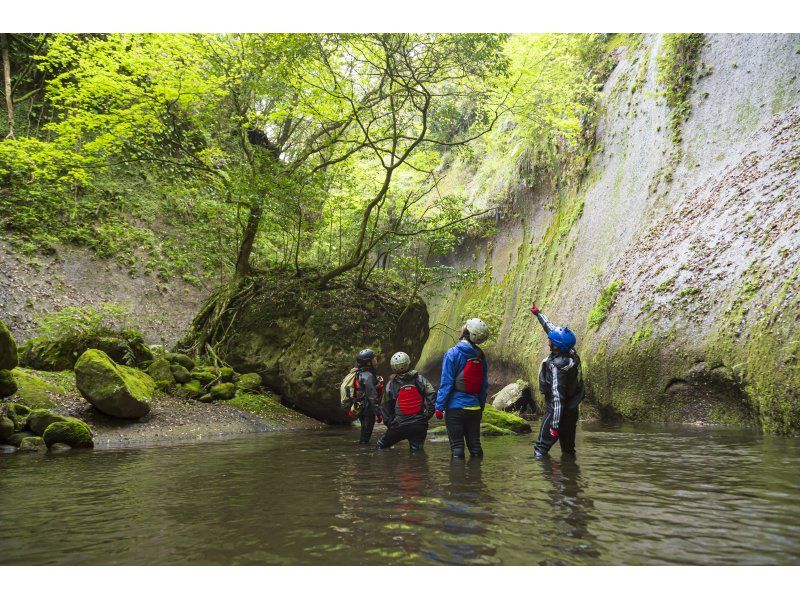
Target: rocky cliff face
[[676, 262]]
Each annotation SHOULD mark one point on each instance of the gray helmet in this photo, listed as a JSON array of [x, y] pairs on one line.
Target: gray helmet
[[365, 356], [477, 331], [400, 362]]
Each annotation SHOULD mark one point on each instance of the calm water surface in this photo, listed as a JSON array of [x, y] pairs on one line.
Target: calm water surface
[[635, 495]]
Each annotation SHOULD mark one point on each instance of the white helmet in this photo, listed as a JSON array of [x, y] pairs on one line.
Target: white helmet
[[477, 330], [400, 362]]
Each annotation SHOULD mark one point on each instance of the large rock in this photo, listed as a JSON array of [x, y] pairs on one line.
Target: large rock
[[505, 421], [8, 385], [223, 392], [39, 419], [511, 397], [116, 390], [32, 444], [17, 437], [303, 340], [33, 391], [160, 371], [249, 381], [18, 414], [73, 433], [8, 349], [180, 373], [180, 359], [6, 428], [62, 353]]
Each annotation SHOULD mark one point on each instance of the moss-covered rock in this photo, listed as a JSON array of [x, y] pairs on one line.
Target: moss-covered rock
[[505, 421], [180, 373], [116, 390], [33, 391], [206, 374], [39, 419], [248, 381], [8, 385], [16, 438], [8, 349], [6, 428], [190, 390], [32, 444], [223, 392], [226, 374], [57, 354], [18, 414], [160, 370], [74, 433], [303, 339], [206, 398], [490, 430], [181, 359], [510, 396]]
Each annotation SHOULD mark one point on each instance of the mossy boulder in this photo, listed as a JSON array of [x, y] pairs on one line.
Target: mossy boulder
[[8, 348], [16, 438], [57, 354], [506, 421], [190, 390], [510, 396], [206, 374], [181, 359], [248, 381], [74, 433], [226, 374], [116, 390], [8, 385], [491, 430], [206, 398], [33, 391], [180, 373], [18, 414], [223, 392], [303, 339], [39, 419], [6, 428], [32, 444], [160, 370]]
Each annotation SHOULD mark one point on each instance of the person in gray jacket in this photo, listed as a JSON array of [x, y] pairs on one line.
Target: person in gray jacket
[[408, 404], [561, 383]]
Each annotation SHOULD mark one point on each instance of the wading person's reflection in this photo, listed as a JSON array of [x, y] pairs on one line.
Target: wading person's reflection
[[572, 507]]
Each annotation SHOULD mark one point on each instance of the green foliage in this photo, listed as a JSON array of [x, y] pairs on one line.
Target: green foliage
[[81, 321], [598, 313], [677, 66]]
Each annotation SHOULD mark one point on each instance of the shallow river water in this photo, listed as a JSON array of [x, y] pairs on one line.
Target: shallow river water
[[635, 495]]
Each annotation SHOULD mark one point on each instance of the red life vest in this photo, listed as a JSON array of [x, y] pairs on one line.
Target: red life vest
[[470, 379], [409, 400]]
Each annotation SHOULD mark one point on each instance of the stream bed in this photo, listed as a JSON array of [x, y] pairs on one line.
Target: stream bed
[[636, 494]]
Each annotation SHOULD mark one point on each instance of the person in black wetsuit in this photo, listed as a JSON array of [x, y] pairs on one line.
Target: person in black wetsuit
[[369, 388], [407, 406], [561, 383]]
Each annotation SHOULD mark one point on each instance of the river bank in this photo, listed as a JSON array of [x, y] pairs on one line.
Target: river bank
[[172, 419]]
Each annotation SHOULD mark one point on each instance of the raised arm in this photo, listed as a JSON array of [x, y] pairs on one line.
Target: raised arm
[[543, 320]]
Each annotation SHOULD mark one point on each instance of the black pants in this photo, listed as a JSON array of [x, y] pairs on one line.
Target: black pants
[[414, 433], [566, 432], [367, 419], [464, 424]]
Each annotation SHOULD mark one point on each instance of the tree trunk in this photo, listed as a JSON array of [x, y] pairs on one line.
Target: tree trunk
[[248, 238], [7, 84]]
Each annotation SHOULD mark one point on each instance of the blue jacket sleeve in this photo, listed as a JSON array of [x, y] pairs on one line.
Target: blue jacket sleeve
[[446, 384], [485, 385]]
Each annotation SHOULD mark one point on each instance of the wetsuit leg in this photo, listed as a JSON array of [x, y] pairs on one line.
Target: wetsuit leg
[[392, 437], [416, 437], [566, 430], [544, 442], [367, 419], [472, 431], [454, 421]]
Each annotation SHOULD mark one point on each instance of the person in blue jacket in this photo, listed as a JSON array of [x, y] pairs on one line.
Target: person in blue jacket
[[463, 389]]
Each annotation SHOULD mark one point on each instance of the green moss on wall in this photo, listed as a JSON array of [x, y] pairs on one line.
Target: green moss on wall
[[603, 305]]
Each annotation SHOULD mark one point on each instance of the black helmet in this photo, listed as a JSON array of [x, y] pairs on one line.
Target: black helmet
[[365, 356]]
